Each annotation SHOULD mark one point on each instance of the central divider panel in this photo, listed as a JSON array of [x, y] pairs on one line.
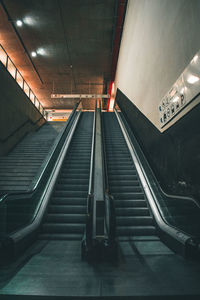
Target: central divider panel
[[66, 216]]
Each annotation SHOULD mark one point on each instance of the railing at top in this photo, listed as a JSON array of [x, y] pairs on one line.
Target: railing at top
[[11, 68]]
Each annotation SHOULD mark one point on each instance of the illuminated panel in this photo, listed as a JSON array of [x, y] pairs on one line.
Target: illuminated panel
[[3, 56], [19, 79], [183, 91], [32, 96], [11, 68], [26, 88]]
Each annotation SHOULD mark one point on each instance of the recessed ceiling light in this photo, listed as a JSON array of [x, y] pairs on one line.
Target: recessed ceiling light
[[41, 51], [33, 53], [19, 23]]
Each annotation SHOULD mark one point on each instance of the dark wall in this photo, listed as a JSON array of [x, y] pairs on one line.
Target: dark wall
[[173, 155], [18, 115]]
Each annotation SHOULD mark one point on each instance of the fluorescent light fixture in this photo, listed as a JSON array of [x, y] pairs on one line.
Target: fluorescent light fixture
[[41, 51], [33, 53], [175, 99], [192, 79], [19, 23]]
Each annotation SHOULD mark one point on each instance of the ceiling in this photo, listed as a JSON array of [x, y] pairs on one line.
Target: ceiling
[[74, 39]]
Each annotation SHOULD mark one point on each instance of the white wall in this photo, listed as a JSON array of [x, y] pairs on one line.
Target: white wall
[[159, 39]]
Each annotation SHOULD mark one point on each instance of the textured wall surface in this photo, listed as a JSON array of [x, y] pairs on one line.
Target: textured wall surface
[[18, 115], [160, 37], [173, 155]]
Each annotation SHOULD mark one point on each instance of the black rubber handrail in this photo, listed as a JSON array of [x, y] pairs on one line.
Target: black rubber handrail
[[46, 163], [110, 221]]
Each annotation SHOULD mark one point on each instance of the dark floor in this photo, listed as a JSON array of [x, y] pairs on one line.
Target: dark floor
[[145, 268]]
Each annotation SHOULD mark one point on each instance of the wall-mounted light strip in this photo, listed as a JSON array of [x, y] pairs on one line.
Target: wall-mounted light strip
[[11, 68]]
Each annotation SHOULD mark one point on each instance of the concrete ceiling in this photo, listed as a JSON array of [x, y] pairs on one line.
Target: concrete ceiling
[[76, 38]]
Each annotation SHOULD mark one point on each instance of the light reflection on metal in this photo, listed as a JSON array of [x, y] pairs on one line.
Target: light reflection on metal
[[184, 90], [80, 96]]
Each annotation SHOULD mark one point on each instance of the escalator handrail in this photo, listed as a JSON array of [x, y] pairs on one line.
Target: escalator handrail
[[90, 186], [176, 233], [109, 207], [46, 163]]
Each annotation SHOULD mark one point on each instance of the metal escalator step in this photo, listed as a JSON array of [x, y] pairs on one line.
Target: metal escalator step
[[142, 238], [68, 201], [65, 174], [65, 218], [75, 171], [125, 189], [76, 166], [71, 187], [72, 181], [135, 230], [129, 196], [63, 228], [120, 167], [67, 209], [63, 236], [116, 177], [132, 211], [75, 194], [130, 203], [134, 220], [121, 172], [116, 183]]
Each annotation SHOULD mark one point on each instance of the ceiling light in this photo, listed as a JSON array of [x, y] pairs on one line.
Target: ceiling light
[[19, 23], [41, 51], [192, 79], [33, 53]]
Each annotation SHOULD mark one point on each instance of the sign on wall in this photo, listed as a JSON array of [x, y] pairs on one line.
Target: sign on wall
[[183, 92]]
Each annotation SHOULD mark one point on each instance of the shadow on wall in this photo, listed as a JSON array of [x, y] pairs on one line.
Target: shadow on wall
[[173, 155]]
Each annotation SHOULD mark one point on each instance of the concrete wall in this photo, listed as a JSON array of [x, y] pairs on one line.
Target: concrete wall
[[18, 115], [159, 39]]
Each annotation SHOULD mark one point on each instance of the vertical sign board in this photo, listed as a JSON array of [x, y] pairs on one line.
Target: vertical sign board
[[183, 92]]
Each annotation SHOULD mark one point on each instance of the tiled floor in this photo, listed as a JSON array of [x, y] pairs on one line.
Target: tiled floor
[[144, 268]]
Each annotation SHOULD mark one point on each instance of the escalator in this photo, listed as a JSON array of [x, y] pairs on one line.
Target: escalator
[[142, 209], [66, 214], [133, 217], [56, 207]]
